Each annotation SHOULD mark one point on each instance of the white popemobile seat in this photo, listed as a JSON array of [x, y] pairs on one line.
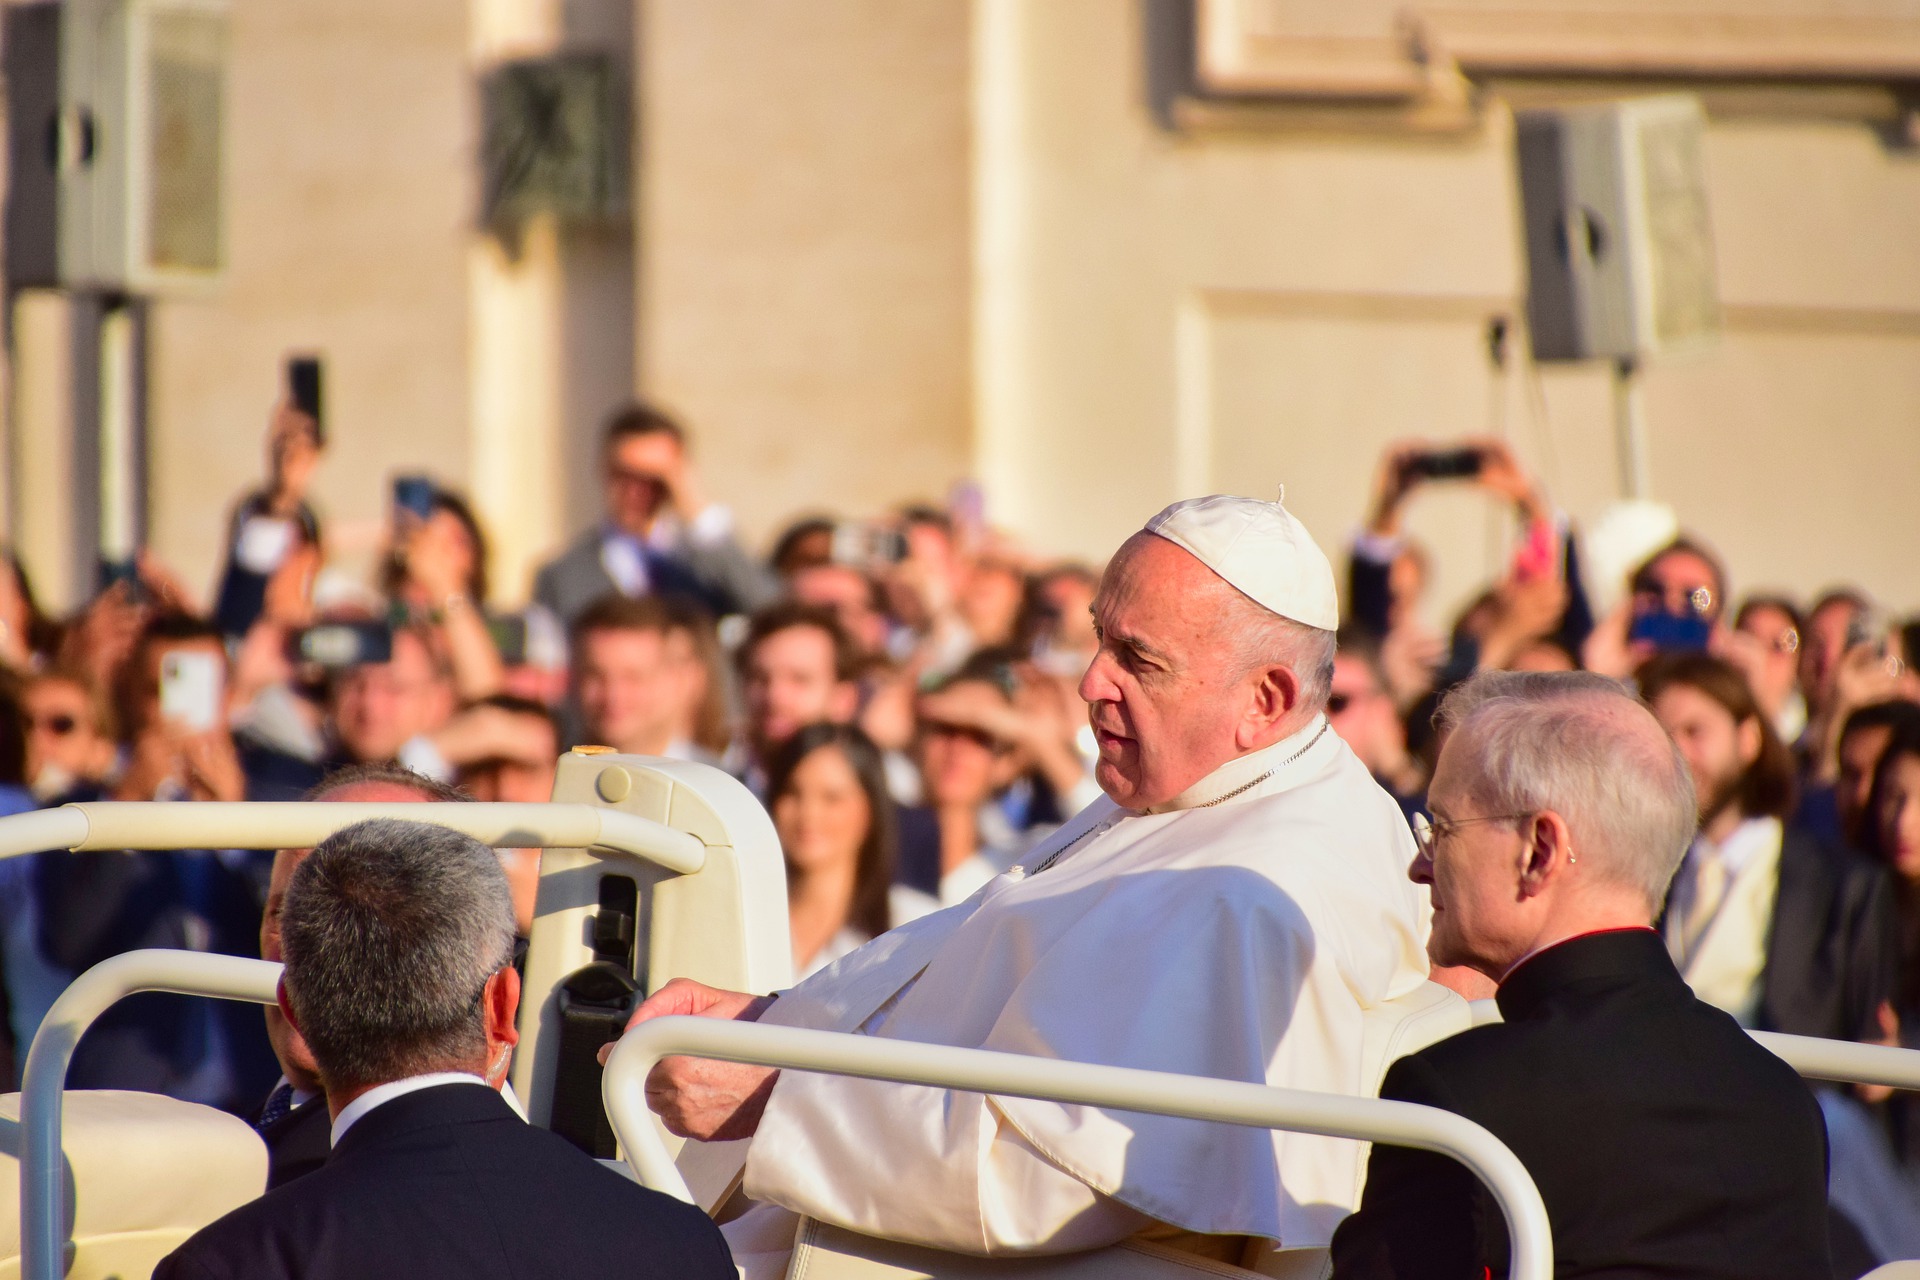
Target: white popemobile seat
[[144, 1173]]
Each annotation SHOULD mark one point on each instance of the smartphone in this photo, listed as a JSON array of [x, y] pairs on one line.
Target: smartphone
[[1671, 632], [303, 389], [1867, 627], [1539, 555], [127, 571], [861, 544], [190, 689], [1447, 464], [413, 494], [337, 645], [510, 638]]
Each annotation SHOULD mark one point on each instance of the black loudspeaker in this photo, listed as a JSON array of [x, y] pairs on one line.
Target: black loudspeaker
[[1618, 240]]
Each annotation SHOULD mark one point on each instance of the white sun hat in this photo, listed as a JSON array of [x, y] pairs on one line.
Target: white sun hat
[[1261, 550]]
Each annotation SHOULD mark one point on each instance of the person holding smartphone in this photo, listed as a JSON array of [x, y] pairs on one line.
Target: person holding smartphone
[[1539, 597], [274, 534], [436, 580], [181, 747], [658, 534]]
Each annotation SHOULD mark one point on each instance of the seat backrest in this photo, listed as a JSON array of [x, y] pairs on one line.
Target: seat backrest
[[1395, 1028], [143, 1173], [1389, 1031], [725, 925]]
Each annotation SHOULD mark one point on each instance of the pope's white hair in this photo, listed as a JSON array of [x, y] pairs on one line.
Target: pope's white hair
[[1585, 747], [1262, 638]]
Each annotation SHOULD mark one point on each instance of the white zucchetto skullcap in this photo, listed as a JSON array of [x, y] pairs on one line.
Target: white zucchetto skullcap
[[1261, 550]]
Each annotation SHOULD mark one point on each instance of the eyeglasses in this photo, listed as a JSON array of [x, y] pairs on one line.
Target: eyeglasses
[[1427, 832], [59, 724]]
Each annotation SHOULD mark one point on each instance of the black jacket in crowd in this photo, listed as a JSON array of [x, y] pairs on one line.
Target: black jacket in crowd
[[1833, 951]]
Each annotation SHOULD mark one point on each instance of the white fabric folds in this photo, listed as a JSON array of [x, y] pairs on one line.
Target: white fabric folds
[[1242, 939]]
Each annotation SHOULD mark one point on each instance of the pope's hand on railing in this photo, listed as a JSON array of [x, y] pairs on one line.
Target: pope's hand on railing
[[697, 1097]]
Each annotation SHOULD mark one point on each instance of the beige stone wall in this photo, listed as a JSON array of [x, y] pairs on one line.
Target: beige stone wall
[[1173, 312], [882, 244], [350, 189], [803, 246]]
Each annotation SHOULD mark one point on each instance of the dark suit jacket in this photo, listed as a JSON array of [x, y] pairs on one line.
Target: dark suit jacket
[[298, 1142], [1664, 1141], [449, 1184], [1833, 951], [722, 578]]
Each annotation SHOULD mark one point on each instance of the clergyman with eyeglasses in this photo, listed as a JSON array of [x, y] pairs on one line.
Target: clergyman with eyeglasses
[[1663, 1139]]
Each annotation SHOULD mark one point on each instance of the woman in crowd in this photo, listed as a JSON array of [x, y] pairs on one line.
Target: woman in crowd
[[828, 794], [1876, 1148], [437, 577], [70, 750], [1893, 834]]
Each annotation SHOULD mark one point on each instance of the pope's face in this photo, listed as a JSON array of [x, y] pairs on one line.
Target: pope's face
[[1164, 691]]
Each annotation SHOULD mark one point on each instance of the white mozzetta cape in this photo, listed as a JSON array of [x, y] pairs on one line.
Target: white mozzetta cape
[[1240, 938]]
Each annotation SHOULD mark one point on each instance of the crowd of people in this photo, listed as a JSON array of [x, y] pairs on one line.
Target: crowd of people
[[906, 695]]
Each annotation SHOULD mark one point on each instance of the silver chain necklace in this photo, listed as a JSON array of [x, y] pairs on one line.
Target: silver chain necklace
[[1242, 789]]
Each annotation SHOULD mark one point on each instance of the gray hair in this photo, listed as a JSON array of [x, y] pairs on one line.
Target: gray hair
[[1262, 637], [394, 775], [391, 930], [1585, 747]]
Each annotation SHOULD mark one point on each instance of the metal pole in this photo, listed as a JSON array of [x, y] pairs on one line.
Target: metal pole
[[623, 1089], [120, 534], [1630, 429], [42, 1171]]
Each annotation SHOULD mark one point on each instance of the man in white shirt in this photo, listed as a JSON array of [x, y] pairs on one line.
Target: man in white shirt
[[634, 690], [797, 667], [660, 536], [1782, 931], [399, 975], [1231, 908]]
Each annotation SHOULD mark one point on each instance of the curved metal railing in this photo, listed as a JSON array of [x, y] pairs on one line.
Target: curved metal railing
[[297, 824], [42, 1180], [623, 1088]]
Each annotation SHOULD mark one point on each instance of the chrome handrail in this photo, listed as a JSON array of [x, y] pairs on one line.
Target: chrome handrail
[[623, 1089], [297, 824]]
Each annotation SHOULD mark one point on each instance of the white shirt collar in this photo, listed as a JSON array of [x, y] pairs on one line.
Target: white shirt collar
[[297, 1097], [1740, 847], [1245, 773], [385, 1093]]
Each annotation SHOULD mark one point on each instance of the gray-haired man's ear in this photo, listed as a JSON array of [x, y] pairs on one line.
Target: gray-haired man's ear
[[1549, 852], [286, 1005]]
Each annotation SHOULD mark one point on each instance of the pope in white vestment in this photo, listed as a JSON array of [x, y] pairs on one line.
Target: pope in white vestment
[[1238, 929]]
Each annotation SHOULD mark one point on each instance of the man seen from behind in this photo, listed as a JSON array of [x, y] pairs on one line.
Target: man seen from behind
[[399, 947]]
